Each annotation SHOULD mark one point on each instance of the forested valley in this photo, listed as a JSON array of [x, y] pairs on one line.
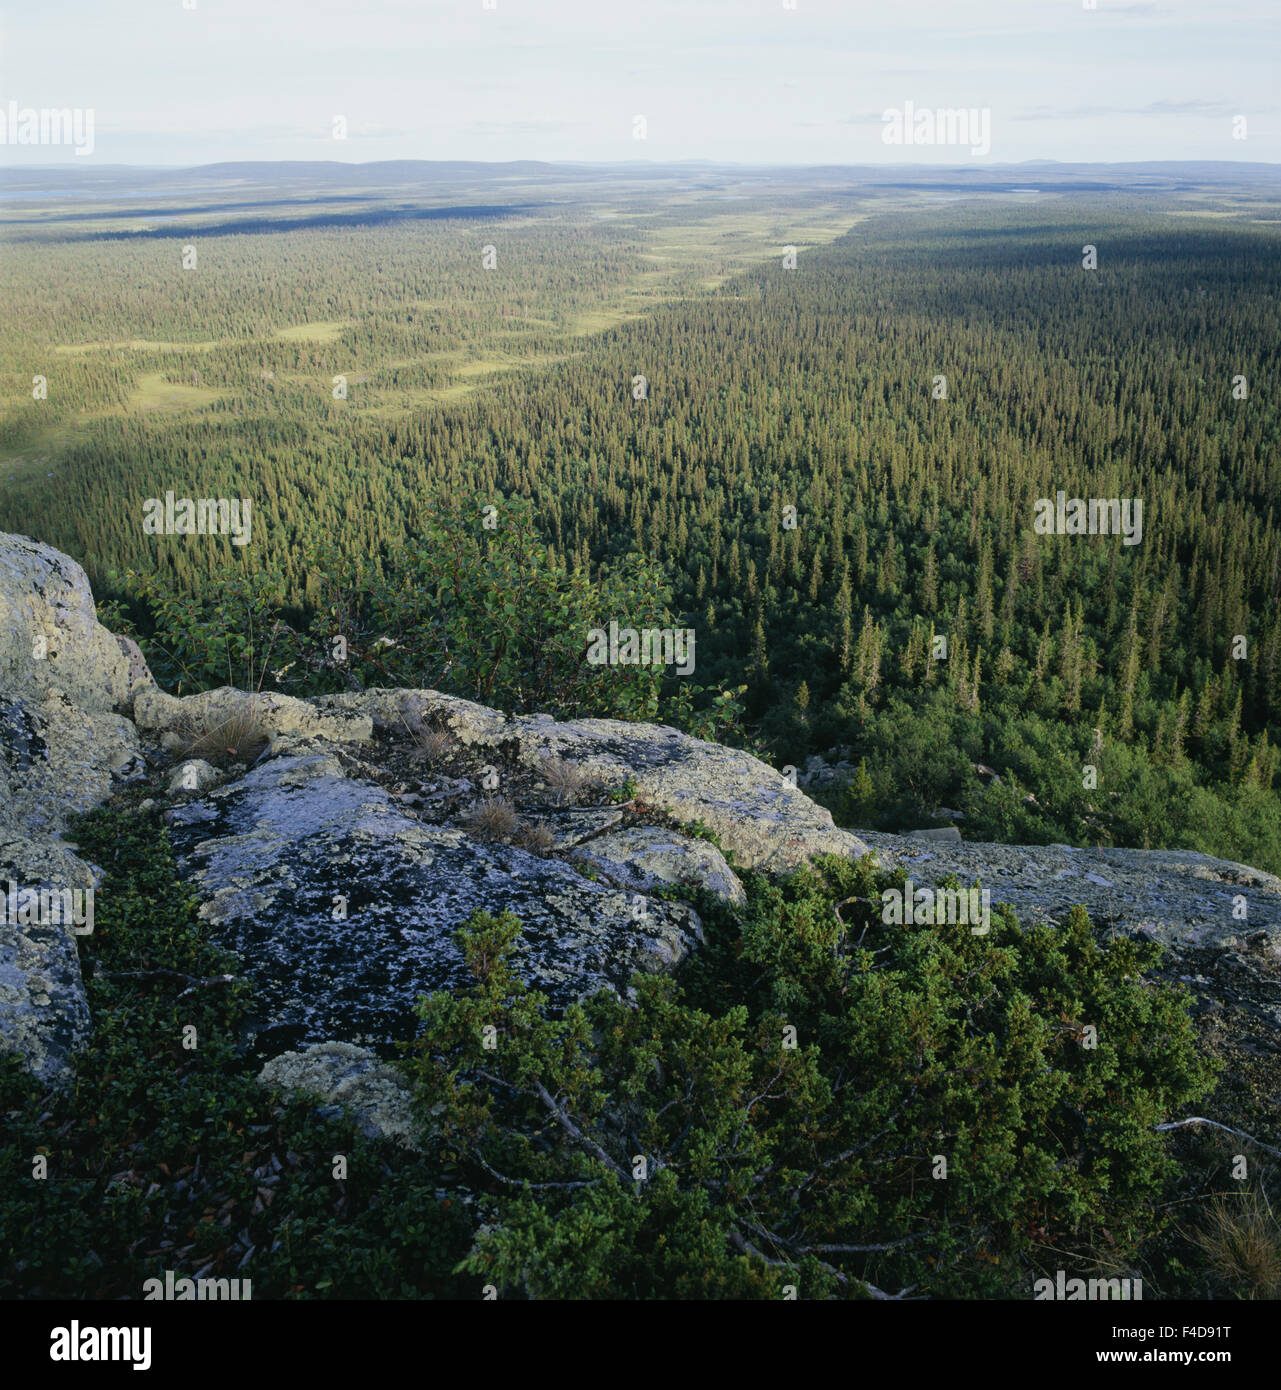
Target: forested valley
[[820, 463]]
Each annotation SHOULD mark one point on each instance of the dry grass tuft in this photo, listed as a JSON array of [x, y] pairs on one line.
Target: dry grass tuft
[[1242, 1243], [564, 781], [494, 818], [434, 744], [240, 735], [537, 838]]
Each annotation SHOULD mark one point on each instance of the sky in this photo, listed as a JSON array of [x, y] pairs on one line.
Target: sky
[[184, 82]]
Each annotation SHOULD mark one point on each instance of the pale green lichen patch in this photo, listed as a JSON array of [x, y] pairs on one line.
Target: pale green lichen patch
[[340, 1074], [44, 1015]]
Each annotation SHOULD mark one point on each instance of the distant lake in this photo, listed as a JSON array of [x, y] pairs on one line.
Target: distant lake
[[363, 217]]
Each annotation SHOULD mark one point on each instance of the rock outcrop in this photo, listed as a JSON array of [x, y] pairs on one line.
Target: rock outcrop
[[345, 902], [338, 843], [340, 1076], [648, 857], [65, 744], [757, 814], [1178, 897]]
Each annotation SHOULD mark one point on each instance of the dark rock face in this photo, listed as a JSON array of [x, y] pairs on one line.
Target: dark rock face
[[22, 739], [343, 906]]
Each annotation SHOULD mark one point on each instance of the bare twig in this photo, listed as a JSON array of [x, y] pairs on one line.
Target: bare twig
[[857, 1249], [747, 1248], [577, 1134], [1240, 1133], [524, 1182], [193, 982]]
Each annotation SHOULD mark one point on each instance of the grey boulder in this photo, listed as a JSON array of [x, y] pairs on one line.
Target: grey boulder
[[344, 907]]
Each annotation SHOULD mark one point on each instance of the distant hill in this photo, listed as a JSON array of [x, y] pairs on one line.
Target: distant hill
[[420, 174]]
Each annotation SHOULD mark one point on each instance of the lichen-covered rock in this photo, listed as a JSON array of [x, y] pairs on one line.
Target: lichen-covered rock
[[945, 833], [410, 711], [340, 1074], [63, 676], [344, 907], [194, 775], [44, 1014], [57, 759], [759, 816], [571, 827], [189, 716], [49, 630], [1177, 896], [139, 673], [63, 748], [647, 857]]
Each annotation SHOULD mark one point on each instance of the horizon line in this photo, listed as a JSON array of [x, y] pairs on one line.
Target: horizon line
[[967, 167]]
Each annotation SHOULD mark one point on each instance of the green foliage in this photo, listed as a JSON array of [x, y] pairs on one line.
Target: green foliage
[[625, 793], [767, 1165], [761, 1159], [700, 830], [226, 634], [489, 614], [718, 718]]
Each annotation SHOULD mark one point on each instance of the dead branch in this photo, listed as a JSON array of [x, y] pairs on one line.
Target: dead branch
[[576, 1134], [1240, 1133], [192, 982]]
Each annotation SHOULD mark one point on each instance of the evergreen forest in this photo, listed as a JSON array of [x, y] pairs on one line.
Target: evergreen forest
[[827, 463]]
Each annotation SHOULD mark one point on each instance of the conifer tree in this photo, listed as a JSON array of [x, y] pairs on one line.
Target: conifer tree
[[929, 582]]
